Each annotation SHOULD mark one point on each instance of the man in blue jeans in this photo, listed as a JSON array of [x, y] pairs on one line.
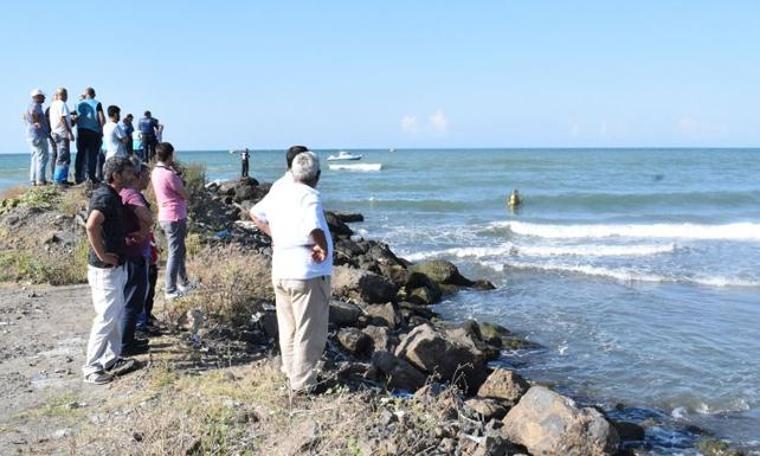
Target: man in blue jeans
[[90, 121], [37, 133], [171, 197], [138, 257]]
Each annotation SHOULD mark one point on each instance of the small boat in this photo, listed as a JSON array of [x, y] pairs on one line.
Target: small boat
[[356, 167], [343, 155]]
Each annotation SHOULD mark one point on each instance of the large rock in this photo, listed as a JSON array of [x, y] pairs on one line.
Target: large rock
[[383, 315], [421, 289], [442, 271], [468, 334], [362, 285], [505, 385], [430, 351], [498, 335], [354, 341], [382, 338], [336, 225], [400, 373], [547, 423], [344, 313]]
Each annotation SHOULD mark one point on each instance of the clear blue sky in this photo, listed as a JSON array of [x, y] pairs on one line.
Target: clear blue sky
[[398, 73]]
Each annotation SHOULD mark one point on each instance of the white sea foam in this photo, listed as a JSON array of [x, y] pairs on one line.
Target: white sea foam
[[627, 275], [732, 231], [581, 250]]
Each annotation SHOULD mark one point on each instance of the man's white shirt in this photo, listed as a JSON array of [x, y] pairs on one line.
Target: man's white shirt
[[113, 133], [293, 210], [59, 109]]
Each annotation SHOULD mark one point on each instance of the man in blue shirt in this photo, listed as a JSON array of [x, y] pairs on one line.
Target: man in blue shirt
[[90, 121], [148, 127], [128, 128], [37, 133]]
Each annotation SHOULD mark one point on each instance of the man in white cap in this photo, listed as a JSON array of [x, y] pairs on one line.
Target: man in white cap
[[37, 133]]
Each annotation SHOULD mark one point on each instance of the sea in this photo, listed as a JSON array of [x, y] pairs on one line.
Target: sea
[[636, 270]]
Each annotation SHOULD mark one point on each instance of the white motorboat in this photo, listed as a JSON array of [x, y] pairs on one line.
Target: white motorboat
[[356, 166], [343, 155]]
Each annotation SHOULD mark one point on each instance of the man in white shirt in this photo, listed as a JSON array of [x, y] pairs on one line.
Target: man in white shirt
[[114, 137], [60, 131], [292, 214]]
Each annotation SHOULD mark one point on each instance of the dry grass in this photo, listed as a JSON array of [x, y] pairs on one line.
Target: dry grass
[[36, 267], [13, 192], [72, 201], [233, 284]]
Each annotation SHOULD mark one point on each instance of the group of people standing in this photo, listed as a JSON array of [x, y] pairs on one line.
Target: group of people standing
[[50, 133], [122, 262], [118, 230]]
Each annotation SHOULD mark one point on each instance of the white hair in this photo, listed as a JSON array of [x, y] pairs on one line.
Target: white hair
[[305, 167]]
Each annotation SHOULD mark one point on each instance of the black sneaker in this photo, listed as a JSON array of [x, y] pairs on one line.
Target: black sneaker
[[122, 366], [98, 378], [133, 350]]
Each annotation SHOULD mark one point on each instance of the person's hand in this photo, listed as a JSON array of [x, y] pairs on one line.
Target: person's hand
[[37, 125], [318, 254], [70, 135], [135, 238], [110, 259]]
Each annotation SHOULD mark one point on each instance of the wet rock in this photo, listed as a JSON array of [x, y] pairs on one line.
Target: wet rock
[[383, 315], [337, 226], [362, 285], [548, 423], [419, 310], [400, 374], [420, 289], [482, 284], [487, 408], [354, 341], [343, 313], [467, 333], [442, 271], [712, 447], [397, 274], [505, 385], [430, 351], [497, 334], [349, 217], [629, 432]]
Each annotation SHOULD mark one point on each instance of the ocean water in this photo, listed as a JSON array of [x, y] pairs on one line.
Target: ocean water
[[638, 270]]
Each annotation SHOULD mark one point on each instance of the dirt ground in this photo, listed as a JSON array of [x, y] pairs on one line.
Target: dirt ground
[[43, 336]]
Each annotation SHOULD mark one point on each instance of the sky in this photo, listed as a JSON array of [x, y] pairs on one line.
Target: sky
[[381, 74]]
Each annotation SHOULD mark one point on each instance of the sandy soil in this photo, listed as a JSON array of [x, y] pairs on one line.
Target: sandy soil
[[43, 337]]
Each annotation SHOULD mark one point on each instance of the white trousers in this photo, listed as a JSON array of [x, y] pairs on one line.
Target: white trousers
[[303, 310], [104, 347]]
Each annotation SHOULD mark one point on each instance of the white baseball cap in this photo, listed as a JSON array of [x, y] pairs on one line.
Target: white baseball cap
[[37, 92]]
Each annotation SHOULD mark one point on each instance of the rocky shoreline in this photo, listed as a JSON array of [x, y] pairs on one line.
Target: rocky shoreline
[[384, 332], [385, 339]]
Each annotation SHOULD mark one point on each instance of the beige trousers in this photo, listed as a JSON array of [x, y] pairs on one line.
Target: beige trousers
[[303, 310]]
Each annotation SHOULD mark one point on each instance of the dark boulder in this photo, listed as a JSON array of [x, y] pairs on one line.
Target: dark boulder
[[434, 353], [400, 373], [442, 271], [337, 226], [362, 285], [354, 341], [343, 313], [349, 217]]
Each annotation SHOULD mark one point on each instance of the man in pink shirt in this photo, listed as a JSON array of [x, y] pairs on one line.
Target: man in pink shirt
[[171, 197]]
